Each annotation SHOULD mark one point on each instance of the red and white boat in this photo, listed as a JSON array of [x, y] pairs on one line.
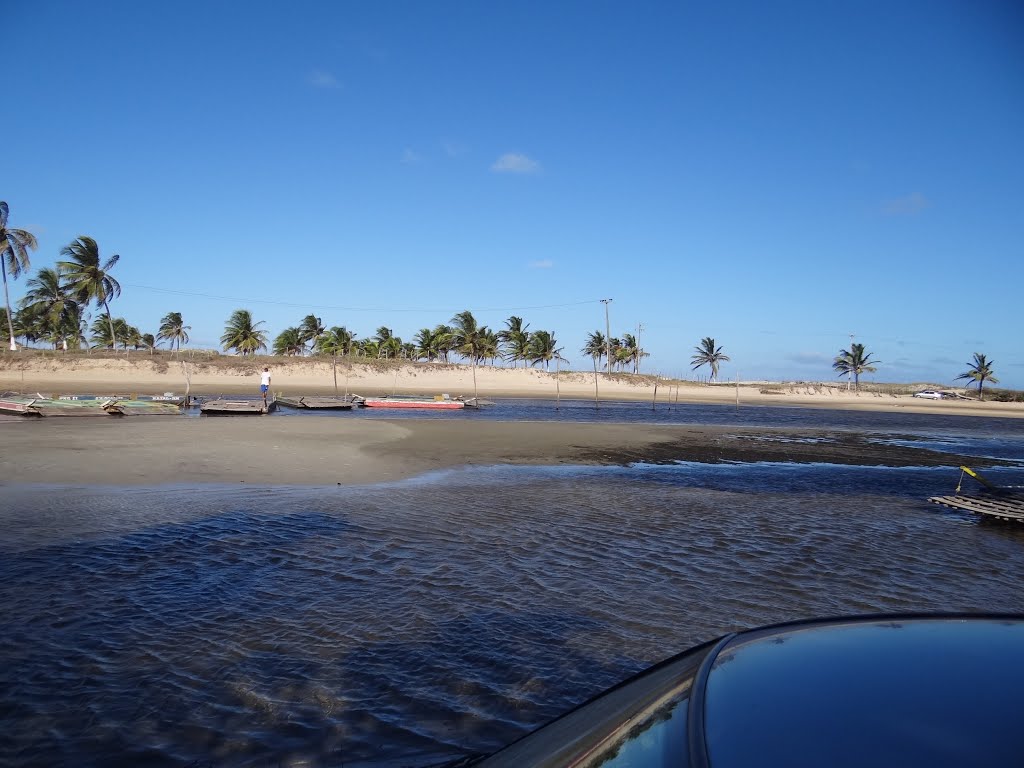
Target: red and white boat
[[438, 402]]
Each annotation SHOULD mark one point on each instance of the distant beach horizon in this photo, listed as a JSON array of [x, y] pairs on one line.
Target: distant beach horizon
[[207, 373]]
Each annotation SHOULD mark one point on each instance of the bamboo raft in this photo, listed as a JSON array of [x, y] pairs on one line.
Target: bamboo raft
[[339, 403], [236, 407], [991, 502]]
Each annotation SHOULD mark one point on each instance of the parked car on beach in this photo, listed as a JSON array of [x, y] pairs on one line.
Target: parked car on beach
[[929, 394]]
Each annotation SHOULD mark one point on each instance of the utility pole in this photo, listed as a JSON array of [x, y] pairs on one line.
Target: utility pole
[[639, 348], [849, 374], [607, 337]]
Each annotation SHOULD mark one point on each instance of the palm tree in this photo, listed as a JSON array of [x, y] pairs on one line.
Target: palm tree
[[56, 308], [338, 340], [102, 333], [388, 345], [242, 334], [173, 329], [334, 342], [543, 348], [854, 361], [708, 354], [595, 346], [981, 371], [516, 339], [149, 342], [14, 247], [368, 348], [427, 344], [289, 342], [467, 336], [615, 350], [632, 350], [445, 336], [29, 323], [132, 336], [311, 329], [87, 278]]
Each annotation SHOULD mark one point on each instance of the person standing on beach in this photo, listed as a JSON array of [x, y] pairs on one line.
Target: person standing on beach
[[265, 384]]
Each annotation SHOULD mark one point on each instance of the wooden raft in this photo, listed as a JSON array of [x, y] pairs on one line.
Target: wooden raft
[[236, 407], [1009, 507], [340, 403]]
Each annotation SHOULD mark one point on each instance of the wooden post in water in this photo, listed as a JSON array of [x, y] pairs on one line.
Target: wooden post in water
[[188, 381], [655, 398], [558, 391], [737, 390]]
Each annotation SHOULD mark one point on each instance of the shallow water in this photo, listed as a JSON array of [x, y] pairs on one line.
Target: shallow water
[[407, 623]]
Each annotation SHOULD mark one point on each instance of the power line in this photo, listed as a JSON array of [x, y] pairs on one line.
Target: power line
[[306, 305]]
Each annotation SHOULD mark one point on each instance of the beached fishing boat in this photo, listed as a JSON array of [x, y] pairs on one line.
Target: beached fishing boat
[[339, 403], [167, 397], [41, 405], [839, 692], [19, 406], [222, 407], [438, 402]]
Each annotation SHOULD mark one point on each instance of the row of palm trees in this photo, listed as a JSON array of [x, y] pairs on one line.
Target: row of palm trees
[[462, 336], [54, 309], [857, 360]]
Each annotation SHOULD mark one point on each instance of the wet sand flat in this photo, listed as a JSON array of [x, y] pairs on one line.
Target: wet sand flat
[[144, 451]]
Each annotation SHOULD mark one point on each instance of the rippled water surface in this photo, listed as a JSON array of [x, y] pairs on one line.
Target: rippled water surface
[[414, 622]]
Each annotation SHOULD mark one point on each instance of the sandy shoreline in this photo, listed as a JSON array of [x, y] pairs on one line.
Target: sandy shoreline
[[307, 376], [154, 451]]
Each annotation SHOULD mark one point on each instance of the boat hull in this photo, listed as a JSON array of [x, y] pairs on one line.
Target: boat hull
[[433, 405]]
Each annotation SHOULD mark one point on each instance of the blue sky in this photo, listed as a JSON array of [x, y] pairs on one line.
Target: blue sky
[[775, 175]]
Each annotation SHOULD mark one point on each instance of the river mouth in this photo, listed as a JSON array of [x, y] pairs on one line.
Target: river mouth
[[428, 618]]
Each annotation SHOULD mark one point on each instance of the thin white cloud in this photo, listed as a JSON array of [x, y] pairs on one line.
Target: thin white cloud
[[318, 78], [909, 205], [542, 264], [410, 158], [515, 163]]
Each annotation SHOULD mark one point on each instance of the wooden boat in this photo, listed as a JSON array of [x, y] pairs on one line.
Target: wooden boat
[[20, 406], [42, 405], [438, 402], [167, 397], [340, 403], [476, 402], [236, 407], [990, 501], [84, 406]]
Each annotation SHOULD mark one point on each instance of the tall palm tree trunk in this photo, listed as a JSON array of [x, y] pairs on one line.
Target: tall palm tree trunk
[[7, 301], [113, 338]]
